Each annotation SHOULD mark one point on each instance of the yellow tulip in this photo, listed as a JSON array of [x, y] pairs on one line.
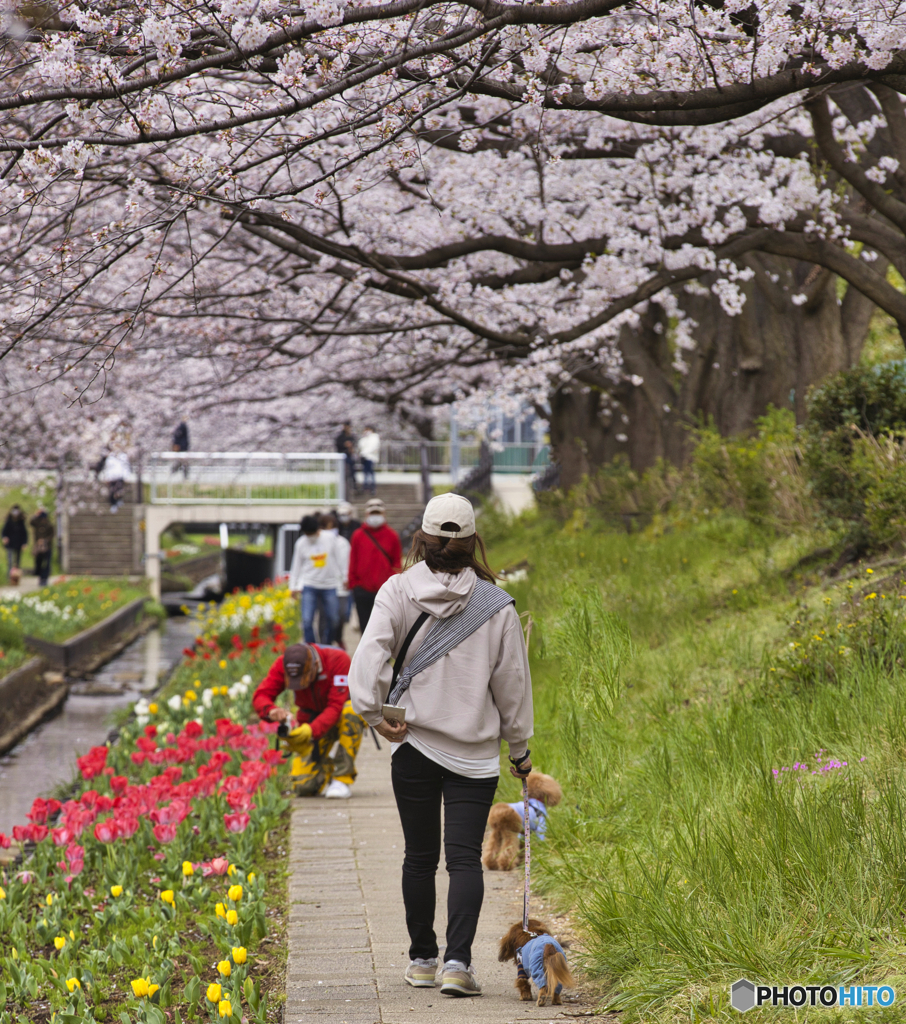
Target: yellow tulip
[[214, 992], [59, 942], [154, 942], [48, 899], [187, 868], [232, 918], [153, 709], [220, 910], [140, 987], [224, 690], [72, 935], [251, 876], [167, 897], [152, 989], [15, 953], [73, 983], [222, 664], [225, 968], [2, 893], [240, 954], [231, 870], [224, 1008], [116, 890], [235, 893]]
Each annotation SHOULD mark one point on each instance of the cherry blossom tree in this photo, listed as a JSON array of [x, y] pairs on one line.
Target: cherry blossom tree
[[416, 202]]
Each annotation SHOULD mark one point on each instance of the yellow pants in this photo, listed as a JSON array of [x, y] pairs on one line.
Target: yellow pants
[[311, 772]]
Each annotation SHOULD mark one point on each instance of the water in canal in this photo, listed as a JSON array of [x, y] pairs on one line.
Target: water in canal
[[46, 757]]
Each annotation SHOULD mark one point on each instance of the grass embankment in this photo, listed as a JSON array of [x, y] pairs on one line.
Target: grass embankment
[[730, 737]]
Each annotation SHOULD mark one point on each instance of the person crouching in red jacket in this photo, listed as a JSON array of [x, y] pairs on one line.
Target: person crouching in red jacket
[[318, 678]]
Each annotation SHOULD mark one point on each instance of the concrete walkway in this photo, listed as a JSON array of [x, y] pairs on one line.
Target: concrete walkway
[[347, 933]]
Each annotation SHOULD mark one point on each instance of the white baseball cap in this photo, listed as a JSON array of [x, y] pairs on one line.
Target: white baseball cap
[[446, 511]]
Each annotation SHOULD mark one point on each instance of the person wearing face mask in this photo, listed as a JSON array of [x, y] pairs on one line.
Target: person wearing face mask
[[346, 520], [375, 555], [314, 576]]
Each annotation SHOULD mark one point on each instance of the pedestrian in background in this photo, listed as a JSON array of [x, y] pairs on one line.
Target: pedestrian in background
[[330, 525], [116, 468], [15, 537], [375, 555], [369, 449], [42, 543], [347, 526], [315, 575], [180, 443], [345, 442]]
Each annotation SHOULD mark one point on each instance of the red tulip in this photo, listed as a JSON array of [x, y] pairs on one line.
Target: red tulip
[[105, 830], [165, 833], [118, 783], [5, 842], [61, 836], [236, 822]]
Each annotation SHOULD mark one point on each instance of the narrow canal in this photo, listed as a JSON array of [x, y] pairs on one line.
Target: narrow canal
[[46, 757]]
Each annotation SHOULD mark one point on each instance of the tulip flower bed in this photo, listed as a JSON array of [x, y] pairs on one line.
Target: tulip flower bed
[[156, 892]]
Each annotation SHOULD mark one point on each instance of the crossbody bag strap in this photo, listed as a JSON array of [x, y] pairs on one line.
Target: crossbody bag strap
[[446, 634], [404, 650], [374, 541]]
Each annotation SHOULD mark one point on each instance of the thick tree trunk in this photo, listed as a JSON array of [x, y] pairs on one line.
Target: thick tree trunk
[[770, 354]]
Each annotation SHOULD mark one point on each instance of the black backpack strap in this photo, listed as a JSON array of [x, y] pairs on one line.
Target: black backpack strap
[[404, 650], [379, 546]]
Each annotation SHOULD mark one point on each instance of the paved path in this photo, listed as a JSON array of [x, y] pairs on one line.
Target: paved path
[[347, 934]]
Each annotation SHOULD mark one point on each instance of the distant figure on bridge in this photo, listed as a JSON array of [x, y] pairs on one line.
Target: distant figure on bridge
[[114, 472], [315, 574], [181, 437], [345, 442], [376, 554], [318, 678], [181, 444], [15, 537], [42, 543], [369, 449]]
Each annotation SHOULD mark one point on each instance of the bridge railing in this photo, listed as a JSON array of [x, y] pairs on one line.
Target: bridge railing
[[445, 456], [246, 478]]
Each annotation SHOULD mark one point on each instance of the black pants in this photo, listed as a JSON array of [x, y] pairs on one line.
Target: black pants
[[42, 566], [420, 785], [364, 602]]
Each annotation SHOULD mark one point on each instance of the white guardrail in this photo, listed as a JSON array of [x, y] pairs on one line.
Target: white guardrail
[[246, 478]]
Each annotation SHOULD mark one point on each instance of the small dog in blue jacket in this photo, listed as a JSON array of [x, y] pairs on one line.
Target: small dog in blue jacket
[[539, 958]]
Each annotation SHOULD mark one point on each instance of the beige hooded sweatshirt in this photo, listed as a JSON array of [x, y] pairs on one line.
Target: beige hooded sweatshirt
[[465, 703]]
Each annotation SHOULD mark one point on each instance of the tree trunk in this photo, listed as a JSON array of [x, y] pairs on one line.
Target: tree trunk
[[770, 354]]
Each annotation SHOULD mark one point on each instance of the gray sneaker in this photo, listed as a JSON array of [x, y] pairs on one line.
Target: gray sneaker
[[421, 973], [459, 980]]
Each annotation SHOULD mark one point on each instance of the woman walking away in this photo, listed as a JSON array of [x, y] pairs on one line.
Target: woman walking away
[[42, 543], [461, 673], [15, 537]]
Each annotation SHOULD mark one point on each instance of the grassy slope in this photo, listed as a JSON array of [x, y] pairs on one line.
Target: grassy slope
[[688, 862]]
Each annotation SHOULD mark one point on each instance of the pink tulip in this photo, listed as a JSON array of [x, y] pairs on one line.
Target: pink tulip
[[236, 822], [61, 836], [127, 827]]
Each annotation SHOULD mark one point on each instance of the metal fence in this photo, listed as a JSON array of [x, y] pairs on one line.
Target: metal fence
[[446, 457], [246, 478]]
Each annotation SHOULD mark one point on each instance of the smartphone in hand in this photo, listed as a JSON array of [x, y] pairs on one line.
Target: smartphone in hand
[[394, 713]]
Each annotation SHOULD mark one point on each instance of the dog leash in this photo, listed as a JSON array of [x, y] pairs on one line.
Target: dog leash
[[526, 814]]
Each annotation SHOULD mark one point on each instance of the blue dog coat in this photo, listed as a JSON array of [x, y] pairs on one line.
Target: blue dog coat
[[537, 816], [531, 956]]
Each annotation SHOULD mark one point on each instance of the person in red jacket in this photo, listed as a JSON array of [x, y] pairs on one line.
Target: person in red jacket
[[318, 678], [375, 555]]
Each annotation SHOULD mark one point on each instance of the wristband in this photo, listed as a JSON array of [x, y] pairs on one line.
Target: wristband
[[517, 761]]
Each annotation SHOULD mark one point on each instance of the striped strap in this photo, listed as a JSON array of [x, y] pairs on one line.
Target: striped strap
[[486, 600]]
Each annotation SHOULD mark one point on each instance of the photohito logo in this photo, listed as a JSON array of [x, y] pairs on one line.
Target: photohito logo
[[745, 994]]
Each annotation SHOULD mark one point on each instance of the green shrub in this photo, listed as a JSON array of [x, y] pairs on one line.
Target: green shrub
[[852, 449]]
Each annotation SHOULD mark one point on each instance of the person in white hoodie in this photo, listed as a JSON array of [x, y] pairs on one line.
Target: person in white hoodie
[[458, 708], [316, 573]]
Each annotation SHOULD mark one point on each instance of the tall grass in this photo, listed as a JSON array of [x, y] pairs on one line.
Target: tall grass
[[667, 696]]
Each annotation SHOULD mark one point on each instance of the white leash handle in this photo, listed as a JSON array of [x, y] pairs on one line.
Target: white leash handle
[[528, 854]]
